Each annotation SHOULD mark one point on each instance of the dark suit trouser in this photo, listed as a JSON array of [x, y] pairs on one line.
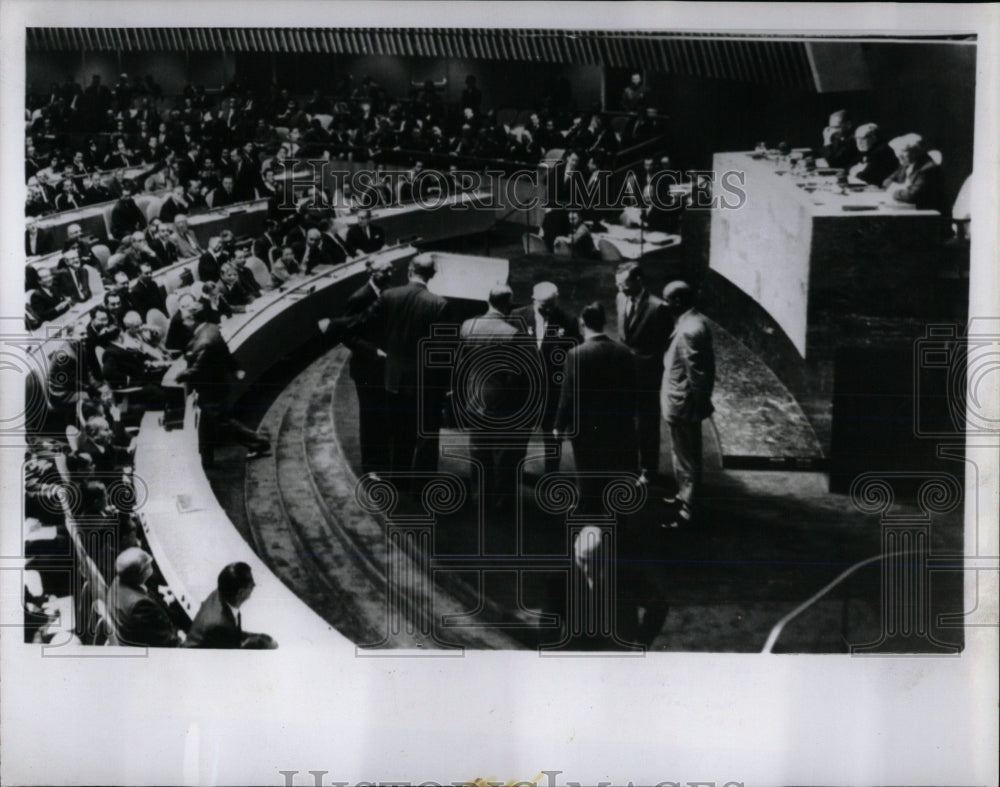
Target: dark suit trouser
[[373, 433], [216, 423], [648, 421], [498, 487], [409, 450], [552, 446]]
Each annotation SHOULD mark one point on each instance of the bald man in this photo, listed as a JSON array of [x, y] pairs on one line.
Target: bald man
[[686, 395], [553, 332], [139, 618]]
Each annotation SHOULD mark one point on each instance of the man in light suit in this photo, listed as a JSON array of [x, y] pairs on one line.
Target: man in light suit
[[368, 372], [492, 401], [644, 324], [219, 622], [184, 239], [686, 395], [210, 371], [599, 385], [75, 283], [552, 330], [139, 618]]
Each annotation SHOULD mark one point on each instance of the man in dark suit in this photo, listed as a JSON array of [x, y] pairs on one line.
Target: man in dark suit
[[599, 389], [399, 320], [686, 395], [314, 251], [368, 372], [644, 324], [365, 236], [160, 245], [138, 617], [210, 371], [225, 193], [553, 332], [36, 240], [98, 442], [100, 332], [219, 622], [878, 161], [146, 293], [246, 177], [46, 300], [491, 389], [210, 263], [176, 203], [74, 282], [126, 217], [335, 248]]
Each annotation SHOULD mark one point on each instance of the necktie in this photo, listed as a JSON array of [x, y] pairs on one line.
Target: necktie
[[239, 621]]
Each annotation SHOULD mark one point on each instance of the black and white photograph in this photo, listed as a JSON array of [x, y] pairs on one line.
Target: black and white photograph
[[545, 394]]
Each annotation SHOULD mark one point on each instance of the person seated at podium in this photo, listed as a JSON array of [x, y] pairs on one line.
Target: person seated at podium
[[918, 180], [365, 236], [98, 442], [838, 141], [219, 622], [878, 161], [126, 216], [139, 617], [578, 241], [37, 241], [246, 277], [313, 252]]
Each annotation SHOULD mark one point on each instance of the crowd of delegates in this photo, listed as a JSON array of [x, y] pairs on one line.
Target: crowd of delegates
[[81, 141]]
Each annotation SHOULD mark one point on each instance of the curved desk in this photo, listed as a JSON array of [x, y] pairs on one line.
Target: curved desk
[[189, 533]]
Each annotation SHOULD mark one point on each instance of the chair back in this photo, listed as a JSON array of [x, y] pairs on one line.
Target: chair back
[[106, 214], [102, 253], [935, 156], [609, 252], [533, 244], [324, 121], [260, 272], [158, 320], [152, 208], [94, 280], [73, 437], [171, 304]]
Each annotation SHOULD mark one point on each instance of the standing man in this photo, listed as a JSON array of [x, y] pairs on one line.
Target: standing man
[[399, 320], [551, 330], [686, 395], [368, 372], [644, 324], [599, 384], [219, 622], [492, 392], [210, 370]]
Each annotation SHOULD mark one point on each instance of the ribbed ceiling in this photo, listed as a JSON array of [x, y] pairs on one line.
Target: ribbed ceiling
[[765, 60]]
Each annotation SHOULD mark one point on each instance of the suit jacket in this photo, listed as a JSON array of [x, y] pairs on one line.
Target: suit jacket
[[372, 241], [108, 461], [214, 626], [209, 266], [877, 164], [367, 368], [647, 334], [75, 284], [490, 340], [211, 366], [599, 383], [336, 248], [166, 253], [139, 618], [126, 217], [688, 370], [400, 319], [924, 186], [43, 243], [146, 295], [171, 208], [186, 245], [92, 340], [246, 180], [561, 333], [46, 304], [308, 258], [221, 198]]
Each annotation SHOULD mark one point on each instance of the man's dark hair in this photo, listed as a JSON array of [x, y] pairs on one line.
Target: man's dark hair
[[232, 579], [500, 297], [630, 270], [593, 316], [100, 308]]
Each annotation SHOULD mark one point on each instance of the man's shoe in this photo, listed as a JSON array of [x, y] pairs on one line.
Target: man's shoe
[[259, 452]]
